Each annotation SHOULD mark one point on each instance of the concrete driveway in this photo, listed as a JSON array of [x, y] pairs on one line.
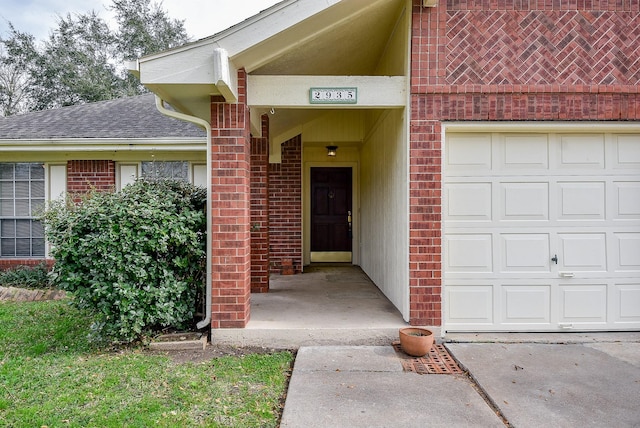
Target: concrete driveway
[[558, 385]]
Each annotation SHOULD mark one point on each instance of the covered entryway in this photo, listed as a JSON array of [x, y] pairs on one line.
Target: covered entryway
[[542, 229], [276, 90]]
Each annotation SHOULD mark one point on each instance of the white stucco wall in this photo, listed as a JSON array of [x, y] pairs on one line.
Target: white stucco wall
[[384, 209]]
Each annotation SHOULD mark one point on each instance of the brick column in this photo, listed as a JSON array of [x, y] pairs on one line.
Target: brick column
[[260, 210], [230, 212], [425, 224]]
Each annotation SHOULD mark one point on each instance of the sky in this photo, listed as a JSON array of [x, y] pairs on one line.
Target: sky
[[202, 18]]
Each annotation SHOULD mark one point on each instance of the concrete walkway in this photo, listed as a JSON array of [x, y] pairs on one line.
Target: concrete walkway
[[594, 384]]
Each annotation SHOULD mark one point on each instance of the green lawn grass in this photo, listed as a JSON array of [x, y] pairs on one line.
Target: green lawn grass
[[52, 375]]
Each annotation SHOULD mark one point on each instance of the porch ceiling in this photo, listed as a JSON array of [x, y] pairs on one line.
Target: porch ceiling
[[347, 39]]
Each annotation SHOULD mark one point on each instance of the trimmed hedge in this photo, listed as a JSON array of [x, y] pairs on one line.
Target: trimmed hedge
[[136, 258]]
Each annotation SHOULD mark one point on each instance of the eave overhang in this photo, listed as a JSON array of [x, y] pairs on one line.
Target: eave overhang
[[65, 145]]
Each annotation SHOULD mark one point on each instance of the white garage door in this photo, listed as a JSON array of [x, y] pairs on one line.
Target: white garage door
[[542, 231]]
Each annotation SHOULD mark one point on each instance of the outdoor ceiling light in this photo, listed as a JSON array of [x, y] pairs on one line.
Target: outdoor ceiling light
[[332, 151]]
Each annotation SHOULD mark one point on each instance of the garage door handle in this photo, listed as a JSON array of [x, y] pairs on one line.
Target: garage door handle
[[555, 259]]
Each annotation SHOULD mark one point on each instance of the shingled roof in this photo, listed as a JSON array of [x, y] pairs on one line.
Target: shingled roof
[[124, 118]]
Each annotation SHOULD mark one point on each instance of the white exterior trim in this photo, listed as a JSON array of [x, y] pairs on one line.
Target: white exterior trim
[[103, 144]]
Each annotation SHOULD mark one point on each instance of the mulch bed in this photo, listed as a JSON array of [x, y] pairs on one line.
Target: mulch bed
[[437, 361]]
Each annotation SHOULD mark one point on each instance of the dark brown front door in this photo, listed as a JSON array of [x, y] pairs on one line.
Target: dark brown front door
[[331, 210]]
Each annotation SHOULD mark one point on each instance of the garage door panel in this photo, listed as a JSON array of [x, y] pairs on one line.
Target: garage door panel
[[469, 253], [468, 202], [583, 252], [627, 152], [627, 246], [469, 153], [470, 304], [525, 152], [525, 252], [581, 151], [526, 304], [627, 303], [583, 303], [525, 201], [627, 200], [581, 200]]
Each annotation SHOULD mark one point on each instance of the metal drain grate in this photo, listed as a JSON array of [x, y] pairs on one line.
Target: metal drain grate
[[437, 361]]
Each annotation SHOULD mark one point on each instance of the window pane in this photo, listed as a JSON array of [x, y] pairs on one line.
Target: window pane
[[22, 189], [7, 247], [37, 171], [23, 228], [22, 208], [7, 228], [180, 170], [6, 171], [6, 207], [23, 247], [37, 207], [37, 189], [6, 189], [37, 247], [37, 230], [22, 171]]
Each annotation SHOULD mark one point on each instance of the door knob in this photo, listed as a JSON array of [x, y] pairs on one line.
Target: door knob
[[555, 258]]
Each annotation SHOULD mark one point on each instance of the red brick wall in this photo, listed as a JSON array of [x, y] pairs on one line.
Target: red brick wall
[[260, 210], [285, 207], [86, 175], [13, 263], [230, 211], [507, 60]]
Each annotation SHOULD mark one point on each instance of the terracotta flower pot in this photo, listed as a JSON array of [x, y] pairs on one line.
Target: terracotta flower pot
[[416, 341]]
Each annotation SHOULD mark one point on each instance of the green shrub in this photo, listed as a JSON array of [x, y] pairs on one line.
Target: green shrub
[[135, 258], [26, 277]]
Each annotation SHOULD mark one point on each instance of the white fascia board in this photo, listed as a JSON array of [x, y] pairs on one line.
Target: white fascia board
[[256, 29], [293, 91], [103, 145]]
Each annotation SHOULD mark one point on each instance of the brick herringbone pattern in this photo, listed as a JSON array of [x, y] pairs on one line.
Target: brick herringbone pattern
[[543, 47]]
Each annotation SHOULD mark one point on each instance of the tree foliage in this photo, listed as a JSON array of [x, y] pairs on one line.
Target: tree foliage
[[135, 258], [83, 58], [16, 55]]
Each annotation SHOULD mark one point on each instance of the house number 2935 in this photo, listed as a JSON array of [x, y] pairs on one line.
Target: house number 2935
[[333, 96]]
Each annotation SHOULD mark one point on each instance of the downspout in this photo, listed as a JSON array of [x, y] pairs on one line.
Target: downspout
[[203, 123]]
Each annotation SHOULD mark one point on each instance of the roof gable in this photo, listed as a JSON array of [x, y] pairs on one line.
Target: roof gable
[[294, 37]]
